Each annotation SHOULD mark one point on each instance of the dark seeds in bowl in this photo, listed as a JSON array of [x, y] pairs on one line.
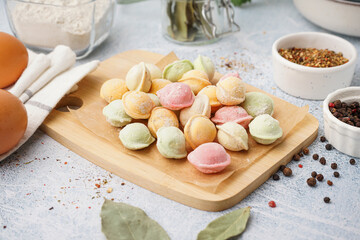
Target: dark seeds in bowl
[[348, 113]]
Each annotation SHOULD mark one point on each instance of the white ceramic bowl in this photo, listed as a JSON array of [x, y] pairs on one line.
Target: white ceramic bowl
[[309, 82], [343, 137], [340, 16]]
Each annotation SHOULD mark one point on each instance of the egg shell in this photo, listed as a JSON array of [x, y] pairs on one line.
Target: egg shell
[[232, 136], [201, 106], [115, 114], [13, 59], [209, 158], [198, 130], [206, 65], [265, 129], [176, 96], [174, 71], [171, 142], [135, 136], [158, 84], [138, 78], [138, 105], [13, 121], [230, 91], [196, 80], [210, 91], [161, 117], [257, 103], [232, 114], [155, 71], [113, 89], [230, 74]]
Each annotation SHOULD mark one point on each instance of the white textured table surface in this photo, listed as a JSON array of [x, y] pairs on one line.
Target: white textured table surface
[[48, 192]]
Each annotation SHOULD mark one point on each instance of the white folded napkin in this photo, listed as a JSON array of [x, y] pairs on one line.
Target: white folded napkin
[[55, 82]]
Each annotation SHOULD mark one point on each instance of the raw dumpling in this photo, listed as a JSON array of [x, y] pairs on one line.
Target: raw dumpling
[[265, 129]]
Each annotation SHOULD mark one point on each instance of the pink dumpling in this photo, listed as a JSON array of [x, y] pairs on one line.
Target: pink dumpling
[[209, 158], [232, 114], [231, 74], [176, 96]]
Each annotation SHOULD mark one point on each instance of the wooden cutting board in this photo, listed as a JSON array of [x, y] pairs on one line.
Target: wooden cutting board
[[67, 130]]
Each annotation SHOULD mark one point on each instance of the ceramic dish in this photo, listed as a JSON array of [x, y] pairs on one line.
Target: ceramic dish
[[309, 82], [343, 137], [341, 16]]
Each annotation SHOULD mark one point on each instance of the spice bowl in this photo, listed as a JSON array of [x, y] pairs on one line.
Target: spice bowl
[[312, 82], [342, 136]]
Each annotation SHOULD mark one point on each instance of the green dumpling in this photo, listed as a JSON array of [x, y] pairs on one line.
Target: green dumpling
[[205, 64], [115, 114], [174, 71], [136, 136], [257, 103], [171, 142], [265, 129]]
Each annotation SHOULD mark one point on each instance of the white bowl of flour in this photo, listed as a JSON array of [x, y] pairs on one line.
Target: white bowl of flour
[[44, 24]]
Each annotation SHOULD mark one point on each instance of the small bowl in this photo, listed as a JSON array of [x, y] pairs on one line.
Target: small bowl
[[309, 82], [342, 136], [341, 16]]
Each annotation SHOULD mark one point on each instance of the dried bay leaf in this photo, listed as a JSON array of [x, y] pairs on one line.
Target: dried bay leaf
[[120, 221], [226, 226]]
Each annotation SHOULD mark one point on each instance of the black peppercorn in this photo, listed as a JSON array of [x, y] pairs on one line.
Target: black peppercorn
[[352, 161], [311, 182], [276, 177], [320, 177], [336, 174], [306, 151], [322, 139], [296, 157], [328, 146], [313, 174], [287, 172], [282, 167], [316, 156], [330, 183], [334, 166], [326, 199], [322, 160]]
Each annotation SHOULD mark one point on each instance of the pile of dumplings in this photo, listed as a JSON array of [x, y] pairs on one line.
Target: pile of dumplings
[[186, 113]]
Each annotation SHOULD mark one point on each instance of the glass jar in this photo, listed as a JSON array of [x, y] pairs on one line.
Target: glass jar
[[82, 25], [197, 21]]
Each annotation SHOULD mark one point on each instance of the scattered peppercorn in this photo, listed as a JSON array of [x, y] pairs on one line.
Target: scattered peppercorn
[[300, 166], [276, 177], [334, 166], [306, 151], [320, 177], [316, 156], [296, 157], [322, 160], [287, 172], [272, 204], [328, 146], [4, 227], [122, 184], [330, 183], [336, 174], [326, 199], [313, 57], [313, 174], [322, 139], [311, 182], [282, 167], [352, 161]]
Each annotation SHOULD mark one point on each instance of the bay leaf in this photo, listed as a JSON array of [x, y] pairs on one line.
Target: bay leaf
[[226, 226], [120, 221]]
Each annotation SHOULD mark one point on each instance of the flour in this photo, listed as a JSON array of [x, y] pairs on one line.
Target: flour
[[67, 22]]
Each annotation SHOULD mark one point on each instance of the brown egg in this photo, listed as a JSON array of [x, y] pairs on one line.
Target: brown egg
[[13, 59], [13, 121]]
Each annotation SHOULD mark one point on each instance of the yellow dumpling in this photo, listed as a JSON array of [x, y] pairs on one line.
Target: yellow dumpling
[[198, 130], [230, 91], [113, 89], [138, 105], [162, 117], [196, 79]]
